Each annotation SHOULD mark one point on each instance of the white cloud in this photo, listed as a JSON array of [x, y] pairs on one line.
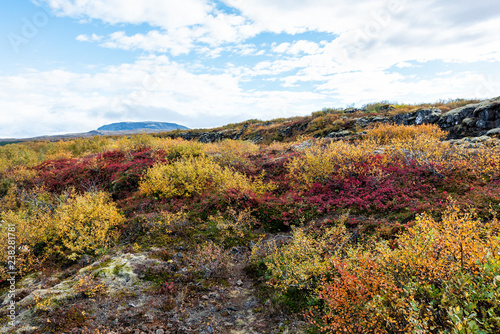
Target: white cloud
[[87, 38], [303, 46], [404, 64], [364, 87], [281, 48], [153, 41], [354, 62], [177, 25], [152, 88], [395, 31], [168, 14]]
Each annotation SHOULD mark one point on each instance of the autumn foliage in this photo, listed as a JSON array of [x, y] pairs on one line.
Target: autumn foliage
[[393, 232]]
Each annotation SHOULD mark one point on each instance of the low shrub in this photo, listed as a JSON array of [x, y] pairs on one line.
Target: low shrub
[[194, 175], [85, 223], [387, 134]]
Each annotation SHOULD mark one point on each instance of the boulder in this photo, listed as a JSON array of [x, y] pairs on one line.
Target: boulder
[[421, 116], [472, 120]]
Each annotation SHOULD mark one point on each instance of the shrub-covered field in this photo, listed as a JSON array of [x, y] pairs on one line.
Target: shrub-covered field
[[396, 232]]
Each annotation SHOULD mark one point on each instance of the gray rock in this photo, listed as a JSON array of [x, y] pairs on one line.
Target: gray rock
[[480, 139], [352, 110], [386, 107], [468, 121], [493, 132], [421, 116], [365, 121], [338, 134]]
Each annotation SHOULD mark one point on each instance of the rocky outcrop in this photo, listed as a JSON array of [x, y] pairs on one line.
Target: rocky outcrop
[[421, 116], [472, 120], [287, 130], [365, 121]]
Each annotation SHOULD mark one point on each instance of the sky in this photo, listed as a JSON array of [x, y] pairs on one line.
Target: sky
[[74, 65]]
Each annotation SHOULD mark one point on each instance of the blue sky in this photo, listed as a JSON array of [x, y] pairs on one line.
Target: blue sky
[[74, 65]]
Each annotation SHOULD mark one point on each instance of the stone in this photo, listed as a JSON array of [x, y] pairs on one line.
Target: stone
[[338, 134], [480, 139], [386, 108], [493, 132], [352, 110], [421, 116], [468, 121]]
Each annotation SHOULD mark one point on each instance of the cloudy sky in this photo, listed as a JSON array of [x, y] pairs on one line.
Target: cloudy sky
[[74, 65]]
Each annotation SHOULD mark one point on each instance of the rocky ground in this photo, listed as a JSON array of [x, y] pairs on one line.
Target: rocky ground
[[118, 294]]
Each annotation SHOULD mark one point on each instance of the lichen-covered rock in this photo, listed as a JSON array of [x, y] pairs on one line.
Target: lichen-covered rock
[[471, 120], [421, 116], [111, 276]]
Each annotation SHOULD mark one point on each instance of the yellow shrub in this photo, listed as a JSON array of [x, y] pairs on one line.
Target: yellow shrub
[[84, 146], [423, 144], [294, 263], [19, 233], [483, 162], [434, 250], [176, 148], [184, 177], [234, 224], [173, 147], [423, 149], [84, 222], [59, 156], [385, 134], [318, 162], [276, 147], [231, 152], [14, 155], [193, 175]]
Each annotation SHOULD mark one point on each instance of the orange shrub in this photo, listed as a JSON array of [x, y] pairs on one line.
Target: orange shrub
[[358, 300], [386, 134]]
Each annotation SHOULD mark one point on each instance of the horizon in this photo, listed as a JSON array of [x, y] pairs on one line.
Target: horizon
[[225, 124], [69, 67]]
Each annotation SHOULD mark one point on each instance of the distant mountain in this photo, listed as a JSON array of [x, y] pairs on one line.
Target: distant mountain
[[146, 126], [122, 128]]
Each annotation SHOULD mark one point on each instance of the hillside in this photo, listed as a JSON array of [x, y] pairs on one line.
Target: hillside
[[382, 220], [460, 118]]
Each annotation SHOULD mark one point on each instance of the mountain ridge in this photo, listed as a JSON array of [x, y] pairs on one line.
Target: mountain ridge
[[119, 128], [146, 125]]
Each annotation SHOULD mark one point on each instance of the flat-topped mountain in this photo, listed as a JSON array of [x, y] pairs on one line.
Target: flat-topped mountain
[[132, 126], [121, 128]]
